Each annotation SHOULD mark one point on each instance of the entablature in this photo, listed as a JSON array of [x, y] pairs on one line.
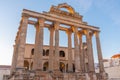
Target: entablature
[[62, 20]]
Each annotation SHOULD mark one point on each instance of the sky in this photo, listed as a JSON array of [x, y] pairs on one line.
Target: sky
[[104, 14]]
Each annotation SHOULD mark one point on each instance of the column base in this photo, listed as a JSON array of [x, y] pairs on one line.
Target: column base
[[91, 76], [57, 74], [19, 73], [103, 76], [80, 76]]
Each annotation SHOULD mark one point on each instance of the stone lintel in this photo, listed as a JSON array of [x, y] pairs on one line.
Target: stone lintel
[[63, 20]]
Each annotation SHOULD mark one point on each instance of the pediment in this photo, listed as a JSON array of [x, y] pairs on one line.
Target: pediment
[[70, 13]]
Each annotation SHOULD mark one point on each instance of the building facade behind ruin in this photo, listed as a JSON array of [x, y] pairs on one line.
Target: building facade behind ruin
[[52, 62]]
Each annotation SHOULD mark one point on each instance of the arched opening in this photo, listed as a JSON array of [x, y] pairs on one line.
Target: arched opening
[[62, 54], [62, 67], [43, 52], [73, 67], [45, 66], [66, 6], [32, 51], [47, 52], [26, 64]]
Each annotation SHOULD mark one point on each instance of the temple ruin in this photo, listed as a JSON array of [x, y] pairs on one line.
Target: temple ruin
[[52, 62]]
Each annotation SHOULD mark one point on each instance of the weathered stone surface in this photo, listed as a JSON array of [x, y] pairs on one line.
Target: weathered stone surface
[[54, 62]]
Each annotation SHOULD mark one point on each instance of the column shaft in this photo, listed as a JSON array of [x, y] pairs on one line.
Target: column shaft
[[22, 41], [85, 68], [15, 53], [81, 53], [100, 58], [76, 51], [92, 55], [51, 49], [13, 60], [70, 66], [56, 58], [37, 64], [89, 52]]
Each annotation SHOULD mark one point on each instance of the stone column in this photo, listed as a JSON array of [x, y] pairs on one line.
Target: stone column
[[51, 49], [22, 42], [13, 60], [89, 52], [70, 66], [56, 58], [15, 53], [81, 52], [37, 63], [84, 51], [92, 55], [100, 58], [76, 51]]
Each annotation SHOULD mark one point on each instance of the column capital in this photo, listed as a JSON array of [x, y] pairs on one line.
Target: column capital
[[96, 33], [86, 31], [41, 20], [24, 16], [80, 33], [56, 25], [51, 28], [91, 34], [69, 31], [75, 29]]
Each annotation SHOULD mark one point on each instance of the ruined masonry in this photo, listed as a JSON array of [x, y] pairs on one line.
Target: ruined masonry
[[52, 62]]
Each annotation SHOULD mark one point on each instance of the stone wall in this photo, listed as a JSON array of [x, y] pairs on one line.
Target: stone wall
[[4, 71]]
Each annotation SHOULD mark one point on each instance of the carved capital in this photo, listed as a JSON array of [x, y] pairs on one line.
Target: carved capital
[[86, 31], [25, 16], [74, 29], [56, 25], [91, 34], [80, 33], [96, 33], [69, 31], [51, 28], [41, 22]]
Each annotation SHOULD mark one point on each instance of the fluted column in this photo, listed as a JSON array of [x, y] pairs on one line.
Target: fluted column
[[70, 66], [51, 49], [82, 66], [89, 51], [100, 58], [56, 58], [76, 51], [22, 41], [37, 63], [92, 55]]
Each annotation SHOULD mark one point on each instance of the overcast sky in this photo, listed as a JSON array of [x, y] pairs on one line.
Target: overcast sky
[[104, 14]]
